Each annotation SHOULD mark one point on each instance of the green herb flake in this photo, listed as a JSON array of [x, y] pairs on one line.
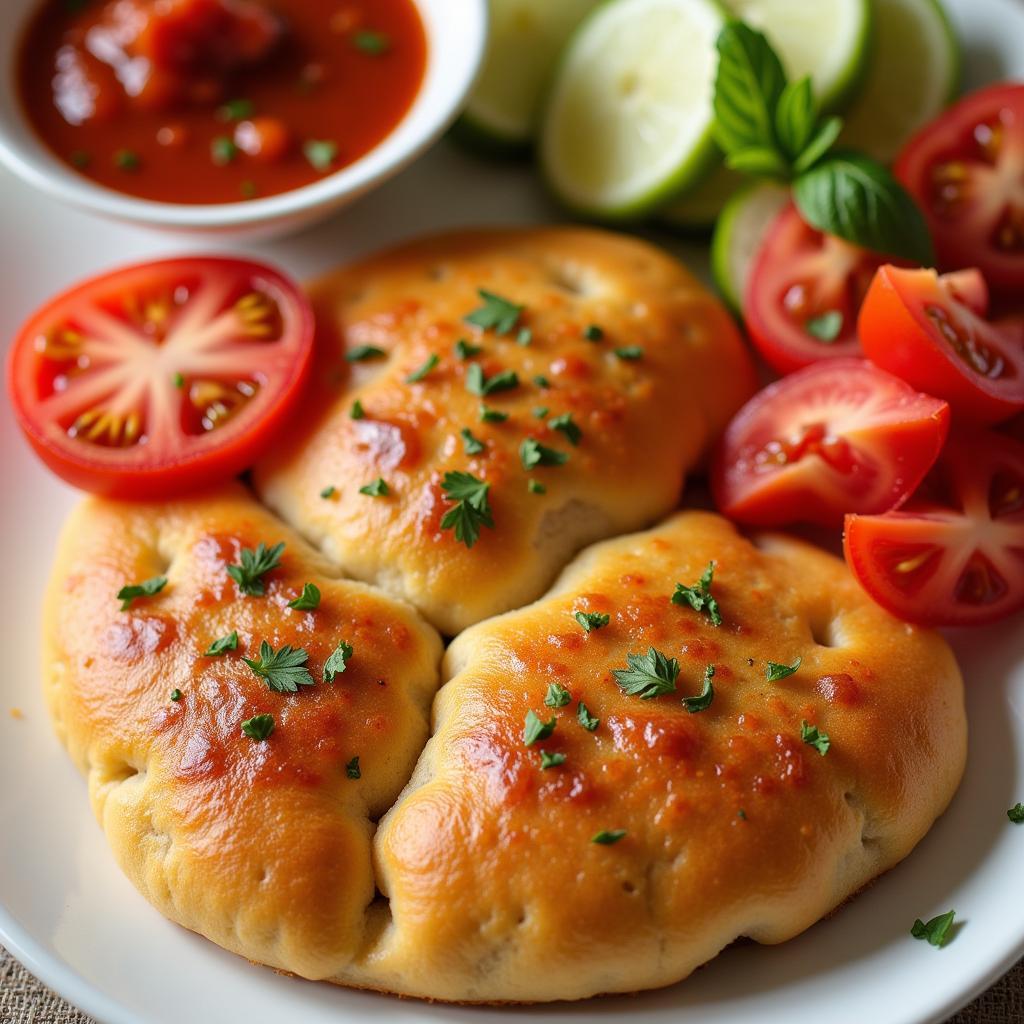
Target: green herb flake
[[609, 836], [81, 159], [464, 351], [540, 412], [357, 412], [127, 160], [535, 730], [774, 671], [352, 768], [813, 737], [497, 314], [284, 670], [329, 492], [557, 696], [707, 694], [424, 370], [361, 353], [536, 487], [477, 383], [699, 597], [741, 814], [235, 110], [648, 675], [254, 566], [249, 189], [542, 382], [936, 931], [308, 600], [1016, 814], [222, 645], [321, 153], [492, 415], [223, 151], [471, 509], [175, 695], [524, 337], [374, 44], [551, 760], [825, 327], [585, 718], [259, 727], [471, 444], [630, 353], [565, 424], [592, 620], [592, 332], [376, 488], [148, 588], [532, 453], [337, 662]]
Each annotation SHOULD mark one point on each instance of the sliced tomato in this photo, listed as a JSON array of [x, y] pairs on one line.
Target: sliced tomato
[[954, 554], [914, 324], [966, 170], [836, 437], [162, 377], [804, 292]]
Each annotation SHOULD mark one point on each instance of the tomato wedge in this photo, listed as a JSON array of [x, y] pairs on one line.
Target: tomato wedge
[[836, 437], [163, 377], [914, 324], [966, 171], [804, 292], [954, 554]]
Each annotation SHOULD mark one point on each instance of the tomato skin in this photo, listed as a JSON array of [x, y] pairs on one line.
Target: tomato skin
[[956, 559], [776, 465], [799, 274], [899, 334], [167, 466], [966, 227]]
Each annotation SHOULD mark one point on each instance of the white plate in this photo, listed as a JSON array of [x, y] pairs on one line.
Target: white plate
[[69, 915]]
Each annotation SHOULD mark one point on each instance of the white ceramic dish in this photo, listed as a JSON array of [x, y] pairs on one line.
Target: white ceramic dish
[[456, 36], [66, 911]]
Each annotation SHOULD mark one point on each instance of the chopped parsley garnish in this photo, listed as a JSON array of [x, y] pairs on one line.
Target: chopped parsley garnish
[[463, 349], [566, 425], [540, 412], [223, 151], [533, 453], [376, 488], [255, 565], [175, 695], [648, 675], [418, 375], [592, 620], [551, 760], [707, 694], [741, 814], [630, 352], [259, 727], [372, 43], [127, 160], [361, 353], [222, 645], [249, 189], [471, 509], [321, 153], [328, 492], [593, 332], [283, 670], [826, 327], [235, 110], [557, 696], [534, 729], [536, 487], [179, 381], [699, 598], [497, 314], [1016, 814], [585, 718], [541, 381], [774, 671], [936, 931], [608, 836], [472, 445], [126, 595], [524, 337], [492, 415], [357, 412], [477, 383], [813, 737], [338, 661], [352, 768], [81, 159], [308, 600]]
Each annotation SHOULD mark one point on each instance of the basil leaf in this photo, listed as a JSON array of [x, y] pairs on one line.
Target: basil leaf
[[759, 161], [936, 931], [857, 199], [795, 117], [819, 145]]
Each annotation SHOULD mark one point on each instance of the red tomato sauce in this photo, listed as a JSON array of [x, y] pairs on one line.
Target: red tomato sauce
[[215, 101]]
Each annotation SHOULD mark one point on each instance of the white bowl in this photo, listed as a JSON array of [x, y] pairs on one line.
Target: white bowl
[[456, 32]]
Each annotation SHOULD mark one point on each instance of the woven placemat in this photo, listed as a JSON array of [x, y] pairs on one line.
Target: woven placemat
[[23, 1000]]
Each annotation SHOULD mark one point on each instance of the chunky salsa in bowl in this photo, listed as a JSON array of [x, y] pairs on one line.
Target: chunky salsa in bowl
[[206, 105]]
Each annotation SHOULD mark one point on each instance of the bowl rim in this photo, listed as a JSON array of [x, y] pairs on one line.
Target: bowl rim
[[450, 73]]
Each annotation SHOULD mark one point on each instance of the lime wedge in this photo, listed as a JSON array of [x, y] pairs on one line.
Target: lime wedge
[[524, 40], [914, 73], [628, 119], [738, 235]]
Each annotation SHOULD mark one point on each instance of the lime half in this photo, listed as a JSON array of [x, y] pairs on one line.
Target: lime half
[[628, 118], [914, 73]]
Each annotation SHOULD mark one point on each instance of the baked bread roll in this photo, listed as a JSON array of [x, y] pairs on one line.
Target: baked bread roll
[[612, 364]]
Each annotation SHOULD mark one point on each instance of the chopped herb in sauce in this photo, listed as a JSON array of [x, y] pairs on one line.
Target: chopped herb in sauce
[[492, 415], [175, 695], [593, 333], [376, 488], [557, 696], [540, 412], [541, 381], [284, 670], [375, 44], [424, 370], [127, 160], [471, 444], [699, 598], [308, 600], [585, 718], [329, 492], [223, 151], [321, 153], [148, 588], [707, 694], [535, 730], [81, 159], [774, 671], [477, 383], [648, 675], [235, 110], [259, 727], [630, 353], [352, 768], [813, 737], [524, 337], [565, 424], [609, 836], [337, 662], [551, 760], [471, 509], [536, 487], [361, 353], [532, 453], [936, 931], [254, 566], [497, 313], [463, 349], [592, 620], [222, 645], [357, 412], [179, 381]]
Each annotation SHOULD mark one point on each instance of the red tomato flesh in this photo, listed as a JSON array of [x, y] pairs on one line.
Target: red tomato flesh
[[163, 377], [914, 325], [803, 294], [966, 170], [954, 554], [836, 437]]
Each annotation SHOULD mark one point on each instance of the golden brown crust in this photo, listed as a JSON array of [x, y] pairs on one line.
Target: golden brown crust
[[644, 422]]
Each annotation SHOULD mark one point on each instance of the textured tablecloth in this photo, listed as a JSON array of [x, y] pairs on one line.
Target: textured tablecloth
[[23, 1000]]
